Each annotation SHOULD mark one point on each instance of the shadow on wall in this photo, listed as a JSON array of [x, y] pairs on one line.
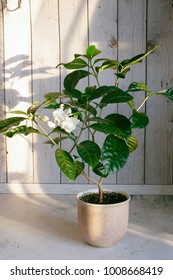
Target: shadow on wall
[[21, 90]]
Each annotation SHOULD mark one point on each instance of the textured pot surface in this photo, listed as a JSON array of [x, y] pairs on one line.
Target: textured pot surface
[[103, 225]]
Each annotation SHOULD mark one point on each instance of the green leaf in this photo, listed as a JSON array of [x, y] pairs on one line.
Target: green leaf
[[139, 120], [115, 153], [75, 93], [101, 91], [60, 130], [107, 128], [97, 119], [123, 73], [135, 60], [53, 105], [54, 95], [10, 122], [33, 109], [83, 105], [116, 95], [19, 112], [23, 129], [76, 55], [72, 79], [167, 93], [121, 122], [100, 171], [138, 86], [92, 51], [89, 152], [132, 144], [57, 140], [66, 163], [108, 64], [89, 93], [131, 103], [77, 63], [79, 168], [100, 59]]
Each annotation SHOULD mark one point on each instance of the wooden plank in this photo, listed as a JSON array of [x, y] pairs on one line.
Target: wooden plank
[[45, 57], [69, 189], [131, 41], [74, 39], [102, 18], [18, 69], [159, 134], [2, 100]]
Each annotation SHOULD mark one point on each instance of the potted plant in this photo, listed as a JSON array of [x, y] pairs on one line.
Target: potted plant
[[102, 214]]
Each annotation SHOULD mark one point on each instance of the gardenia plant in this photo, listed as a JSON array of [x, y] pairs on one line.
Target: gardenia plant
[[77, 111]]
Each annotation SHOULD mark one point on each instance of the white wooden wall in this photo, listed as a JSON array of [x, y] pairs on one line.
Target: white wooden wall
[[42, 33]]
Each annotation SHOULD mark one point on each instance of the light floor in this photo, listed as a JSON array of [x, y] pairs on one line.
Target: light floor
[[45, 227]]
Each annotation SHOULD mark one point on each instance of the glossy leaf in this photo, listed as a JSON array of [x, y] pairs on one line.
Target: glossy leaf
[[98, 120], [83, 105], [92, 51], [54, 95], [108, 64], [79, 168], [66, 163], [123, 73], [10, 122], [89, 93], [72, 79], [53, 105], [60, 130], [33, 109], [116, 95], [99, 60], [136, 59], [100, 171], [19, 112], [107, 128], [139, 120], [168, 93], [23, 129], [121, 122], [115, 153], [57, 140], [132, 143], [89, 152], [138, 86], [77, 63], [74, 93], [131, 103], [102, 91]]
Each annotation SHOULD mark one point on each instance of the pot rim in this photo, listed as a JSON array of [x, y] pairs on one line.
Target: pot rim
[[103, 205]]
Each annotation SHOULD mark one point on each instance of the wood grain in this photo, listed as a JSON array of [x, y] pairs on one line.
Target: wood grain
[[41, 34]]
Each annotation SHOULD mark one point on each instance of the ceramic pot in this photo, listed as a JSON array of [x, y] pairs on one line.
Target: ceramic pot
[[102, 225]]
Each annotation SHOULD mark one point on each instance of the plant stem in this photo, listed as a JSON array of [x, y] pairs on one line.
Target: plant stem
[[143, 102], [46, 134], [94, 73], [98, 183]]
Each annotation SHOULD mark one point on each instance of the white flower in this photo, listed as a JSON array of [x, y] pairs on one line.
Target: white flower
[[59, 115], [62, 118], [51, 124], [46, 118], [69, 124]]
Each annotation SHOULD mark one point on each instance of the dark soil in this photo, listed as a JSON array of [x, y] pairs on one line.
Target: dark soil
[[108, 198]]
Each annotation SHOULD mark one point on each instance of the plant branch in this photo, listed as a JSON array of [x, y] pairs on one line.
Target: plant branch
[[142, 104], [98, 183], [46, 134]]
